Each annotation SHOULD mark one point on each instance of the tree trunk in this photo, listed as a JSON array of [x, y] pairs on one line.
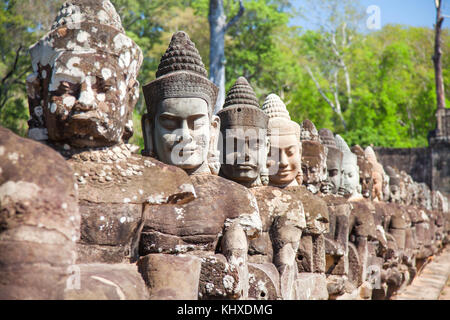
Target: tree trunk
[[437, 58], [218, 27]]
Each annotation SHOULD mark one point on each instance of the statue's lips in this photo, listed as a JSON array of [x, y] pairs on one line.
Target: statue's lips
[[245, 166], [284, 172], [86, 115]]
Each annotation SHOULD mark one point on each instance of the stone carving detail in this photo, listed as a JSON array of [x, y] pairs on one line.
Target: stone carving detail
[[378, 175], [350, 172], [180, 100], [243, 126], [334, 162], [39, 220], [285, 144], [366, 175], [312, 219], [84, 86], [314, 164], [181, 130]]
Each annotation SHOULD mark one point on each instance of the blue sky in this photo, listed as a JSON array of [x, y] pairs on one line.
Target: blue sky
[[418, 13]]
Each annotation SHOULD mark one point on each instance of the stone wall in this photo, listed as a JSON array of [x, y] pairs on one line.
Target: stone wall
[[440, 166], [415, 161]]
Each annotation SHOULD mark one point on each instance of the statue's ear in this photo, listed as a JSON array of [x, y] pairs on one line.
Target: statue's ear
[[213, 151], [147, 132]]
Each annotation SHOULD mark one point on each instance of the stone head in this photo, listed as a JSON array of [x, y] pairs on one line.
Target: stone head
[[243, 127], [439, 202], [424, 196], [350, 172], [314, 160], [180, 128], [395, 185], [365, 172], [285, 146], [377, 174], [334, 162], [83, 88], [409, 189]]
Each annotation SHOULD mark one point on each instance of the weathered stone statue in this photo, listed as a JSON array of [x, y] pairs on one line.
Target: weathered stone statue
[[82, 94], [365, 172], [334, 162], [39, 220], [310, 282], [179, 128], [350, 186], [214, 229], [281, 210], [395, 187], [285, 143], [378, 174], [84, 86], [314, 158], [244, 131], [336, 239]]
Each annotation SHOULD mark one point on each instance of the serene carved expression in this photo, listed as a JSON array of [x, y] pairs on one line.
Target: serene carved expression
[[350, 178], [333, 180], [395, 195], [314, 166], [182, 132], [244, 150], [286, 149], [377, 188], [89, 100]]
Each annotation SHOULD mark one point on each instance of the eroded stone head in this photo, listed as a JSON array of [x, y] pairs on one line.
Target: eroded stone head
[[314, 160], [334, 162], [83, 87], [285, 147], [243, 126], [180, 128], [350, 172], [377, 174], [396, 185], [365, 172]]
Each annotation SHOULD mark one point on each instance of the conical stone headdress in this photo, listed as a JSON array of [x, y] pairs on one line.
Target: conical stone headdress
[[241, 108], [348, 156], [280, 122], [309, 131], [181, 74], [363, 163], [334, 155], [87, 27]]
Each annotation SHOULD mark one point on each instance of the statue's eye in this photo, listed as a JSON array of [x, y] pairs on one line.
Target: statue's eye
[[103, 86], [72, 89], [199, 122], [168, 122], [333, 172]]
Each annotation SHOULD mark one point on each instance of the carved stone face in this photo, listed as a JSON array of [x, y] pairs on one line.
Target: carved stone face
[[334, 162], [244, 150], [377, 189], [395, 193], [334, 177], [286, 148], [88, 100], [83, 86], [350, 177], [314, 164], [395, 187], [182, 132]]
